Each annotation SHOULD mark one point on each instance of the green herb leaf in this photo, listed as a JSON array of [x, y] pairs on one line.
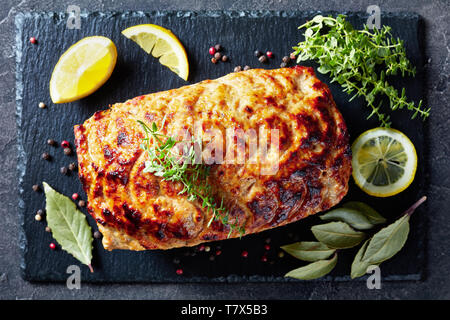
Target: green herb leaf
[[359, 268], [308, 250], [338, 235], [313, 270], [371, 214], [387, 242], [69, 226], [353, 217]]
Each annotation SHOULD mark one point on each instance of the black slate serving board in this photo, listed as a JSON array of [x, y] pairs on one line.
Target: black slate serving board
[[136, 73]]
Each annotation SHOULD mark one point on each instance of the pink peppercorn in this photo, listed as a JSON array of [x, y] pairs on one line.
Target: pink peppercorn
[[218, 253], [269, 54], [264, 259], [267, 247], [65, 144], [212, 51], [75, 196], [201, 248], [33, 40], [179, 271], [244, 254], [52, 246]]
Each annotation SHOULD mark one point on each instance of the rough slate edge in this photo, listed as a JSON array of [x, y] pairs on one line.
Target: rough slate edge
[[22, 159]]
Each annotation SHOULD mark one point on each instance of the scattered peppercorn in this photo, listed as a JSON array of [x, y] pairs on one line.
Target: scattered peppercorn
[[244, 254], [218, 47], [246, 68], [72, 166], [63, 170], [217, 56], [224, 58], [65, 144], [81, 203], [286, 59], [218, 252], [51, 142], [46, 156], [47, 229], [292, 56], [75, 196], [281, 254], [212, 51], [237, 68], [283, 65], [211, 258], [97, 235], [176, 260], [207, 248], [33, 40], [40, 212], [35, 188], [38, 217], [67, 151], [179, 271], [42, 105], [258, 53], [262, 59], [264, 259], [52, 246], [269, 54], [214, 60], [268, 240], [201, 247], [267, 247]]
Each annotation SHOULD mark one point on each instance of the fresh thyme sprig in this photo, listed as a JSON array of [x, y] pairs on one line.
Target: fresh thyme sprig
[[165, 162], [352, 58]]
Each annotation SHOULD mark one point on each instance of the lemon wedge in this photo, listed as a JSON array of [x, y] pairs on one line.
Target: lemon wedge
[[384, 162], [163, 44], [82, 69]]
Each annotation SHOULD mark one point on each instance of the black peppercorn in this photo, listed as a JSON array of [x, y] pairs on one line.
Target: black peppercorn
[[63, 170], [224, 58], [81, 203], [40, 212], [97, 235], [72, 166], [246, 68], [51, 142], [218, 47], [258, 53], [237, 68], [67, 151], [217, 56], [35, 188], [47, 229], [46, 156], [283, 65], [262, 59], [286, 59]]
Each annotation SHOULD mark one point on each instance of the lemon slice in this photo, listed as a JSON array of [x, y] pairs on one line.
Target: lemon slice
[[384, 162], [82, 69], [162, 44]]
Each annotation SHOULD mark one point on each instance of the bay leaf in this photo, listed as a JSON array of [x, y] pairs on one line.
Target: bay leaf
[[337, 235], [353, 217], [68, 226], [388, 241], [372, 215], [313, 270], [359, 268], [308, 250]]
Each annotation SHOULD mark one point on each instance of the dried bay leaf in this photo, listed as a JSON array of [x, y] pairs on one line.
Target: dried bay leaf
[[69, 226], [388, 241], [372, 215], [353, 217], [313, 270], [337, 235], [308, 250]]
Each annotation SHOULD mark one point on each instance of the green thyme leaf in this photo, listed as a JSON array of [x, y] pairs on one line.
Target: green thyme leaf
[[69, 226], [338, 235], [360, 61], [371, 214], [313, 270], [359, 268], [350, 216], [387, 242], [308, 250]]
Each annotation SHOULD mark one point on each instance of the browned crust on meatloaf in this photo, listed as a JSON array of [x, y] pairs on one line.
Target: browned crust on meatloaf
[[138, 211]]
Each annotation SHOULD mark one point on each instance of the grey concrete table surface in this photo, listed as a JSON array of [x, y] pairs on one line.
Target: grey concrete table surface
[[436, 284]]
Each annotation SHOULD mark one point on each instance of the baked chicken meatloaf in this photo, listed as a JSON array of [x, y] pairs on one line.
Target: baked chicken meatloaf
[[136, 210]]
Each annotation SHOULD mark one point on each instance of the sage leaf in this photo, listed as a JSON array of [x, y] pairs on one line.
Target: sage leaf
[[313, 270], [388, 241], [308, 250], [68, 225], [372, 215], [337, 235], [350, 216], [359, 267]]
